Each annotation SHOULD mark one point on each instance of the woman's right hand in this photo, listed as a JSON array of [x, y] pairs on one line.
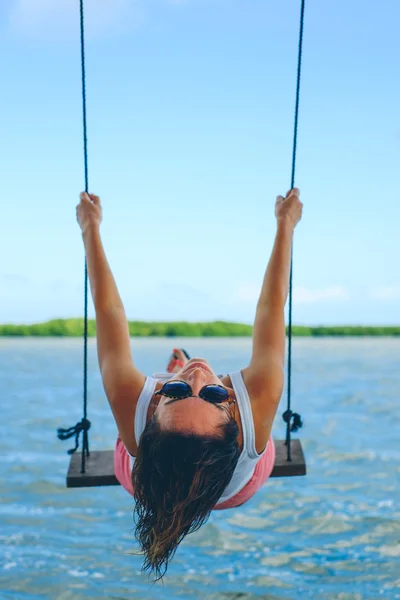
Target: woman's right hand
[[289, 209], [89, 212]]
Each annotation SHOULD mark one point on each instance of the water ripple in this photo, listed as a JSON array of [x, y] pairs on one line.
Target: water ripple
[[333, 535]]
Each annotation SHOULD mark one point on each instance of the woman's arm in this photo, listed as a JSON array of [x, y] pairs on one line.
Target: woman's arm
[[121, 379], [269, 325], [265, 375], [112, 330], [102, 283], [104, 290]]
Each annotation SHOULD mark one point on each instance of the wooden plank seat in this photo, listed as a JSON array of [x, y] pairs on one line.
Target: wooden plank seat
[[99, 466]]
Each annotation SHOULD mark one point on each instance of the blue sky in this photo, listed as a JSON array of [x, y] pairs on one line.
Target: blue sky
[[190, 125]]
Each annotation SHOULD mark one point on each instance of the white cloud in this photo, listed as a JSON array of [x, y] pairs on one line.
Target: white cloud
[[391, 292], [59, 19], [12, 284], [247, 292], [14, 280], [250, 292], [306, 296]]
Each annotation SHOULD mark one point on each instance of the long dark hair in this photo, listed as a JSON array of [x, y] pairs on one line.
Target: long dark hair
[[177, 479]]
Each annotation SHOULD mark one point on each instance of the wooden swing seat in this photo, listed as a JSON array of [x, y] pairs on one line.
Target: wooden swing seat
[[99, 466]]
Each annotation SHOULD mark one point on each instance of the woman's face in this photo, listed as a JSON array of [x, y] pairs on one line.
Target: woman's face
[[194, 415]]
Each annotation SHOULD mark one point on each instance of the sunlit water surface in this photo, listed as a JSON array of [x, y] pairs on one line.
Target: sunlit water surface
[[334, 534]]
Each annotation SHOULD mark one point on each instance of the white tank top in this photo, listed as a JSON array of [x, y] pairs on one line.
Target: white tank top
[[248, 458]]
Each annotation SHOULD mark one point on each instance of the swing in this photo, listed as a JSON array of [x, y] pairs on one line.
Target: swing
[[94, 469]]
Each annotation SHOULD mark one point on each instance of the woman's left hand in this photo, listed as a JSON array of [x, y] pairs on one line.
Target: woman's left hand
[[88, 211]]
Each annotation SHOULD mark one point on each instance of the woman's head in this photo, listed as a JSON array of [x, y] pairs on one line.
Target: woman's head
[[194, 414], [186, 457]]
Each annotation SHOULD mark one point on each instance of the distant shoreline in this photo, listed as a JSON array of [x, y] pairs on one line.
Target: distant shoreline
[[75, 328]]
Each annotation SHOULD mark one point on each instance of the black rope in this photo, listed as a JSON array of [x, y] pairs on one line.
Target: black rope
[[84, 424], [293, 420]]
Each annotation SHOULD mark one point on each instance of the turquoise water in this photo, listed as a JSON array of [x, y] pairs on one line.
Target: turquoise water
[[334, 534]]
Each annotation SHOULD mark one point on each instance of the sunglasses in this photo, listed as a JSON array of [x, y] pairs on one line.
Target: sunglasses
[[177, 390]]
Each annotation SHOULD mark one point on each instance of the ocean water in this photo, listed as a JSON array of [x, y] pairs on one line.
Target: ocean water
[[334, 534]]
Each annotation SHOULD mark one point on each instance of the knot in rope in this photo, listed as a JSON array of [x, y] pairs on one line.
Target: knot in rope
[[65, 434], [297, 422]]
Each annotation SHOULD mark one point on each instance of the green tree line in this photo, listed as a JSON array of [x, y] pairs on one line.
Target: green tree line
[[75, 328]]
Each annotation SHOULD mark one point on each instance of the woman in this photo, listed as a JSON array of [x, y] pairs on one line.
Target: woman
[[189, 440]]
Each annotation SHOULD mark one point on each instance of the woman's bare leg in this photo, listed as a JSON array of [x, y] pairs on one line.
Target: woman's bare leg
[[174, 366]]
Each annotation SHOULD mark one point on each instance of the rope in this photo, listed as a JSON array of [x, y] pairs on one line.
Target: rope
[[84, 424], [293, 420]]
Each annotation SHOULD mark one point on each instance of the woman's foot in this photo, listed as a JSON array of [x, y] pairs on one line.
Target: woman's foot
[[177, 361]]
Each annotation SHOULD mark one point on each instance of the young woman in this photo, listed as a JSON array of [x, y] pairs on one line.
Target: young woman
[[190, 441]]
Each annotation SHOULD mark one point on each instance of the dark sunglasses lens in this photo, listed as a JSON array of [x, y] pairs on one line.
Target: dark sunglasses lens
[[215, 394], [177, 389]]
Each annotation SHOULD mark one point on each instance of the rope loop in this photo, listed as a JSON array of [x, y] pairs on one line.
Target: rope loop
[[288, 415], [65, 434]]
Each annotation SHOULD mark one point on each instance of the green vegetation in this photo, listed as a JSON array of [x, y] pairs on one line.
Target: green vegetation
[[74, 328]]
